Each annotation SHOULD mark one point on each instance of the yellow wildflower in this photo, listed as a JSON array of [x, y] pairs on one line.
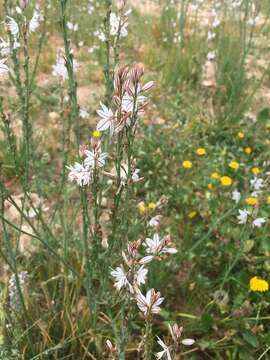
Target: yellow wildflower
[[215, 175], [248, 150], [255, 170], [96, 134], [152, 205], [234, 165], [210, 186], [200, 151], [268, 200], [187, 164], [141, 208], [192, 214], [257, 284], [252, 200], [225, 181], [241, 135]]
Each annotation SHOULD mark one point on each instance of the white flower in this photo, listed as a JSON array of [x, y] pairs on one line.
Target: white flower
[[95, 158], [257, 183], [4, 48], [81, 174], [117, 26], [15, 45], [153, 245], [135, 175], [12, 26], [128, 103], [150, 303], [258, 222], [211, 55], [140, 275], [146, 259], [156, 246], [236, 196], [91, 9], [35, 21], [164, 352], [84, 114], [124, 174], [121, 278], [216, 23], [3, 67], [188, 342], [73, 27], [154, 221], [18, 10], [243, 216], [253, 21], [210, 35], [107, 119], [100, 34], [59, 69]]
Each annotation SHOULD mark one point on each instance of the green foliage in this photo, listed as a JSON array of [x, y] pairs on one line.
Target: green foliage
[[69, 307]]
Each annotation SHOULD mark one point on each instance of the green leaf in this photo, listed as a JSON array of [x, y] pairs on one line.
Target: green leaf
[[263, 115], [207, 321], [251, 339]]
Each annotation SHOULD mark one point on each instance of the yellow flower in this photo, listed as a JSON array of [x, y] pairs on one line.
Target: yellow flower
[[192, 214], [268, 200], [215, 175], [210, 186], [225, 181], [96, 134], [257, 284], [252, 201], [255, 170], [200, 151], [241, 135], [248, 150], [234, 165], [141, 207], [187, 164], [152, 205]]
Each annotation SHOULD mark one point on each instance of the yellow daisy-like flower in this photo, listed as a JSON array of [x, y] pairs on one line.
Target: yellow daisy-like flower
[[210, 186], [257, 284], [268, 200], [252, 200], [215, 175], [152, 205], [234, 165], [255, 170], [248, 150], [96, 134], [142, 208], [187, 164], [241, 135], [226, 181], [200, 151], [192, 214]]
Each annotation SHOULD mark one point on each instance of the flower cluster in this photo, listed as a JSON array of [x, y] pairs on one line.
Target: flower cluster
[[256, 185], [136, 272], [176, 333], [60, 69], [13, 29], [128, 100], [118, 24], [93, 160]]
